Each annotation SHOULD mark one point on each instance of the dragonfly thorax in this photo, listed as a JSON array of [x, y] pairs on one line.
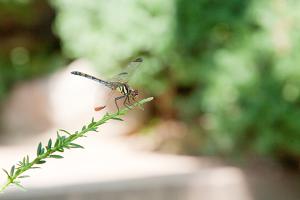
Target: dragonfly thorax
[[126, 90]]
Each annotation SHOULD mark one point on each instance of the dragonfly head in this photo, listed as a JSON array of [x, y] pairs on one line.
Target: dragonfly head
[[134, 93]]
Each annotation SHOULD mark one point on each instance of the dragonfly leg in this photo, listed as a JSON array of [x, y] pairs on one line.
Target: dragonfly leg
[[125, 102], [128, 100], [116, 101]]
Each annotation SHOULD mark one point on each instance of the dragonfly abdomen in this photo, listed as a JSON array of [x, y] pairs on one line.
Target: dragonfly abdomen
[[92, 78]]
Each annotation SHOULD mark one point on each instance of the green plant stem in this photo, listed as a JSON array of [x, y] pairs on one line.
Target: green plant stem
[[63, 143], [5, 186]]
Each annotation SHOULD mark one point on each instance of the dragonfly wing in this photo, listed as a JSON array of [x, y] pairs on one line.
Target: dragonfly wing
[[126, 74]]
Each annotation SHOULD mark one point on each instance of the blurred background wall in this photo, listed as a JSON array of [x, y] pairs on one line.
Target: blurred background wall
[[225, 74]]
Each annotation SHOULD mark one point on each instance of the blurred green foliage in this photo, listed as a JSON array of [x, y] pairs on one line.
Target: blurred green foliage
[[251, 101], [230, 67], [28, 48], [109, 33]]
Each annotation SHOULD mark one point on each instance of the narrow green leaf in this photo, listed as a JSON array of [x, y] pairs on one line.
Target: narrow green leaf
[[56, 142], [24, 176], [39, 149], [41, 162], [42, 150], [27, 159], [18, 170], [19, 186], [117, 118], [65, 131], [56, 156], [83, 128], [74, 145], [20, 163], [95, 129], [61, 140], [12, 170], [49, 144], [61, 150], [91, 124], [57, 134], [34, 167], [6, 172], [72, 136]]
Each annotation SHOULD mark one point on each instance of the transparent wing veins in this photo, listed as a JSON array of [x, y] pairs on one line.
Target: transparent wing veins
[[126, 74]]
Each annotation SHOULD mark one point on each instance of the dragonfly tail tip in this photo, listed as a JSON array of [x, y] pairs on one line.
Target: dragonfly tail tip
[[74, 72]]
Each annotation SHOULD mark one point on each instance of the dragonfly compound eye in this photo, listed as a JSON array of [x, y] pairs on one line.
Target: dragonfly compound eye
[[135, 92]]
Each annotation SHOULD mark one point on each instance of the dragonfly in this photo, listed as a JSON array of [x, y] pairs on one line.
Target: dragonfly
[[118, 83]]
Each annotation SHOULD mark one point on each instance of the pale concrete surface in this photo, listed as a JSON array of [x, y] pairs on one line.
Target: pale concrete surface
[[190, 186]]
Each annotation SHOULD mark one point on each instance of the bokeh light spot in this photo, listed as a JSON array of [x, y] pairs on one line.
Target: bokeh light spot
[[19, 56], [290, 92]]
